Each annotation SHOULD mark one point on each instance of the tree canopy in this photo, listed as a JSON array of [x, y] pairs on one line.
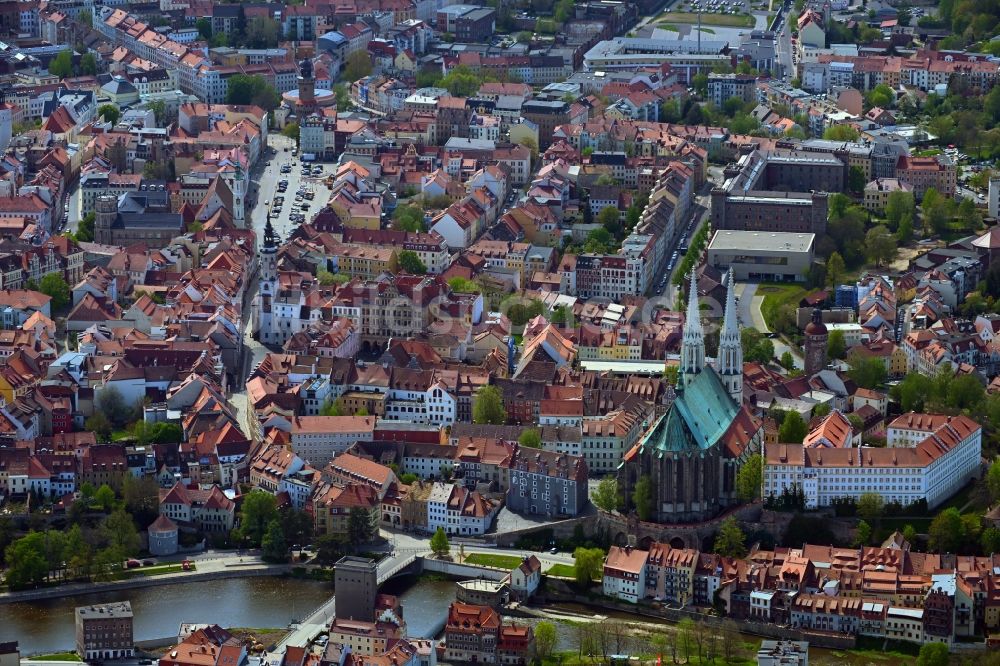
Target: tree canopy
[[253, 89], [488, 406]]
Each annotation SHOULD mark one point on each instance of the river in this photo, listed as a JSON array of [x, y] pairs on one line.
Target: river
[[47, 626]]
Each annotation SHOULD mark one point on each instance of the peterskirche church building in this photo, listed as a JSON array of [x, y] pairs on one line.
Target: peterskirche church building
[[694, 451]]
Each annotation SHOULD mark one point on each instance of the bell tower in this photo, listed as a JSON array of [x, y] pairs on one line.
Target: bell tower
[[307, 85]]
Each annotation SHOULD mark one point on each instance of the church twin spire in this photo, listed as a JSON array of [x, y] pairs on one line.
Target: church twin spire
[[729, 362], [693, 344]]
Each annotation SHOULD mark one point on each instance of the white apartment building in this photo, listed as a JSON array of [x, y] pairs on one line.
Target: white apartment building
[[936, 466]]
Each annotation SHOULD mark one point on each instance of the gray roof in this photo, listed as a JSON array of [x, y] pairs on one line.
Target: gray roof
[[755, 241]]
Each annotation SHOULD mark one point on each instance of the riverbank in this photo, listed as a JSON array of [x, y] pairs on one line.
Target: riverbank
[[74, 589]]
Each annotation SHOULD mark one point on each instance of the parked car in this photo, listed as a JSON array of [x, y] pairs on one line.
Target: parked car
[[132, 564]]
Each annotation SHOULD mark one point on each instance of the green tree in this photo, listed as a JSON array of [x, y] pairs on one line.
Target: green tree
[[488, 406], [793, 429], [258, 510], [870, 506], [947, 531], [880, 245], [700, 84], [881, 96], [88, 64], [358, 66], [204, 27], [26, 564], [909, 533], [85, 229], [898, 206], [360, 526], [104, 498], [835, 269], [904, 233], [993, 481], [110, 113], [408, 218], [461, 81], [750, 478], [730, 541], [867, 372], [933, 654], [588, 562], [56, 287], [756, 347], [608, 217], [62, 65], [85, 17], [863, 535], [291, 130], [273, 546], [439, 542], [856, 180], [836, 347], [141, 497], [100, 426], [254, 89], [410, 262], [605, 496], [642, 497], [263, 32], [989, 540], [841, 133], [530, 439], [545, 640], [787, 361], [121, 534]]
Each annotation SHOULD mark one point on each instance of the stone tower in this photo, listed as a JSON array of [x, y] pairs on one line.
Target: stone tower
[[307, 85], [106, 210], [729, 362], [268, 260], [815, 344], [693, 343]]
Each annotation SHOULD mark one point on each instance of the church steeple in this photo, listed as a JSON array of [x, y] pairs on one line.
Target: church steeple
[[730, 358], [693, 344]]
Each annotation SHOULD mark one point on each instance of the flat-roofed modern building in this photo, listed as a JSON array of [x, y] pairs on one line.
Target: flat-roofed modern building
[[762, 255], [104, 631]]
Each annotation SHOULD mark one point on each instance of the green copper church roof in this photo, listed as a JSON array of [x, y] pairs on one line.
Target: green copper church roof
[[699, 416]]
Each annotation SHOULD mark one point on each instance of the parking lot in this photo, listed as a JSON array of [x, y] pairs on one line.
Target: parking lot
[[299, 193]]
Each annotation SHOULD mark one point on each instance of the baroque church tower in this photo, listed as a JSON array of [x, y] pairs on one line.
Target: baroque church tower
[[729, 362], [693, 343]]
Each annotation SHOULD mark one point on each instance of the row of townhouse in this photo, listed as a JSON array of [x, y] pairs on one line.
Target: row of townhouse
[[886, 592]]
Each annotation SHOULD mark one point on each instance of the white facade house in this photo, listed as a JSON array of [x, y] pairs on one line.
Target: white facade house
[[929, 465], [625, 574]]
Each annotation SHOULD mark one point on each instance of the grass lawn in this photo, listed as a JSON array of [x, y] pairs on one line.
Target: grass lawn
[[154, 571], [776, 295], [56, 656], [489, 560], [730, 20], [562, 570]]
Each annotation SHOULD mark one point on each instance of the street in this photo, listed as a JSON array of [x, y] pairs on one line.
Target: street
[[748, 311], [783, 46]]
